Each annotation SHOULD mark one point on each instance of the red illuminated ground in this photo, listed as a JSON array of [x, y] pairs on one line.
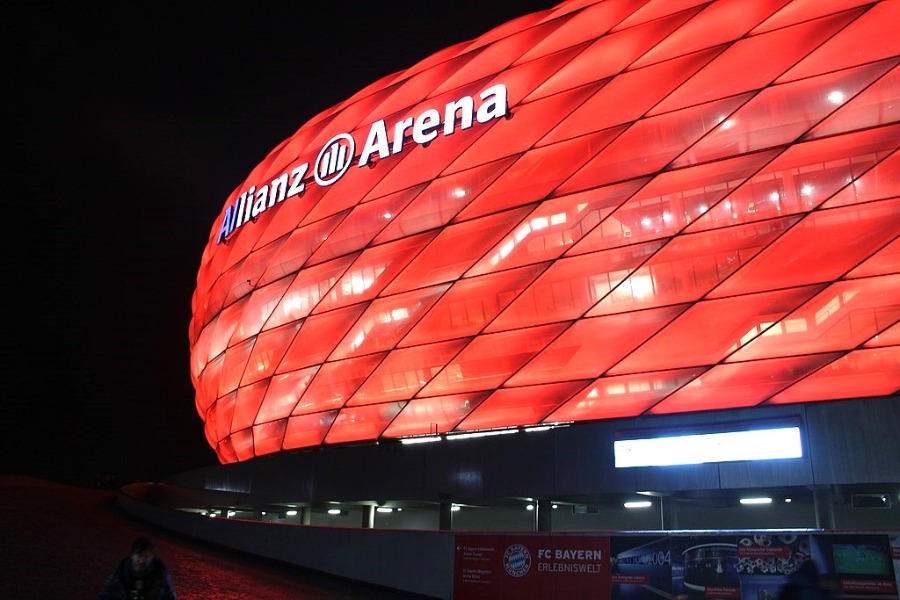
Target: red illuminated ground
[[61, 542]]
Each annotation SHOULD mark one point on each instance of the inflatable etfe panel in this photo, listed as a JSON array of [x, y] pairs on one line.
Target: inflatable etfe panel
[[604, 210]]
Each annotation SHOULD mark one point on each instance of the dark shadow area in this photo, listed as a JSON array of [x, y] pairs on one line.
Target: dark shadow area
[[62, 541]]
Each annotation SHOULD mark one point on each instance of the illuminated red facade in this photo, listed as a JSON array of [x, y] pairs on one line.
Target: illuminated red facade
[[608, 209]]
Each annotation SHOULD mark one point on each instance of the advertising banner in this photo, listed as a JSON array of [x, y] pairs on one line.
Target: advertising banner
[[531, 566], [751, 566]]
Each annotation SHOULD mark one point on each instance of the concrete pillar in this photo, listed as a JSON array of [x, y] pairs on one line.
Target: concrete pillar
[[823, 500], [445, 520], [305, 513], [543, 509], [668, 513], [368, 517]]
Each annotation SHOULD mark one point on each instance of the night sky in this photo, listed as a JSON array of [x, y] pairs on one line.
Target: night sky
[[127, 127]]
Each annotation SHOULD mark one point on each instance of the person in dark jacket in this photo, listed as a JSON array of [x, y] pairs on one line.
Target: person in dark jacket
[[140, 576]]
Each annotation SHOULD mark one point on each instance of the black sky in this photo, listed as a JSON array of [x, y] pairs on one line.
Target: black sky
[[127, 128]]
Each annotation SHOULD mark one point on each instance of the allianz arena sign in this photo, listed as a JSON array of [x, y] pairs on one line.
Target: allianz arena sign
[[338, 154], [668, 224]]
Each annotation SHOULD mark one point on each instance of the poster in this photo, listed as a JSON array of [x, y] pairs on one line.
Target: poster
[[531, 566], [709, 566]]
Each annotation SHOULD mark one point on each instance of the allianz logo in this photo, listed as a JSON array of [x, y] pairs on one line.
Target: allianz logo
[[338, 154]]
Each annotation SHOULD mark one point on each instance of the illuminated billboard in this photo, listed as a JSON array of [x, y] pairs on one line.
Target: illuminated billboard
[[603, 210]]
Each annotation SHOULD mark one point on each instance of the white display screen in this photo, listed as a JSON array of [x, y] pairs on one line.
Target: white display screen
[[757, 444]]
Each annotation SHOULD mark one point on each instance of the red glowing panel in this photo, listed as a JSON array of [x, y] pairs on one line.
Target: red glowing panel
[[720, 22], [371, 271], [280, 399], [361, 225], [611, 54], [441, 200], [873, 372], [841, 317], [404, 371], [879, 104], [519, 406], [888, 337], [710, 331], [670, 201], [386, 321], [224, 416], [842, 238], [268, 351], [553, 227], [738, 69], [362, 423], [233, 367], [335, 382], [799, 180], [257, 310], [268, 437], [296, 248], [315, 340], [241, 443], [308, 430], [455, 249], [489, 360], [881, 181], [605, 210], [869, 38], [569, 287], [800, 104], [595, 20], [246, 405], [886, 260], [470, 304], [688, 267], [535, 118], [577, 353], [740, 385], [431, 416], [628, 96], [650, 144], [516, 187], [306, 290], [799, 11], [622, 396]]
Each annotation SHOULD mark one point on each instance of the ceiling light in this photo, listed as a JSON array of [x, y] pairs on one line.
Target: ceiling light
[[760, 500], [638, 504]]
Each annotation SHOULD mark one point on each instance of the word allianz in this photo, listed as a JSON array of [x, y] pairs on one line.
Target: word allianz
[[423, 129]]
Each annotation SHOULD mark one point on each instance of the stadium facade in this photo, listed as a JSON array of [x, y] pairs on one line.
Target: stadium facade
[[605, 218]]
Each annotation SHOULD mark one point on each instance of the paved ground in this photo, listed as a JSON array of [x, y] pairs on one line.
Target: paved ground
[[59, 541]]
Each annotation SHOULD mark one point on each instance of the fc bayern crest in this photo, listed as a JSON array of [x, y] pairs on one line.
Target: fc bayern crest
[[517, 560]]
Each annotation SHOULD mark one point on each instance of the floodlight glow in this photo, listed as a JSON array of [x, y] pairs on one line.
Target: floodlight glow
[[755, 500], [291, 513], [421, 440], [638, 504], [478, 434], [758, 444], [384, 509], [334, 511]]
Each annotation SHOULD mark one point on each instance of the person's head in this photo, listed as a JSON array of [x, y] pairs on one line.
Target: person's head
[[141, 554]]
